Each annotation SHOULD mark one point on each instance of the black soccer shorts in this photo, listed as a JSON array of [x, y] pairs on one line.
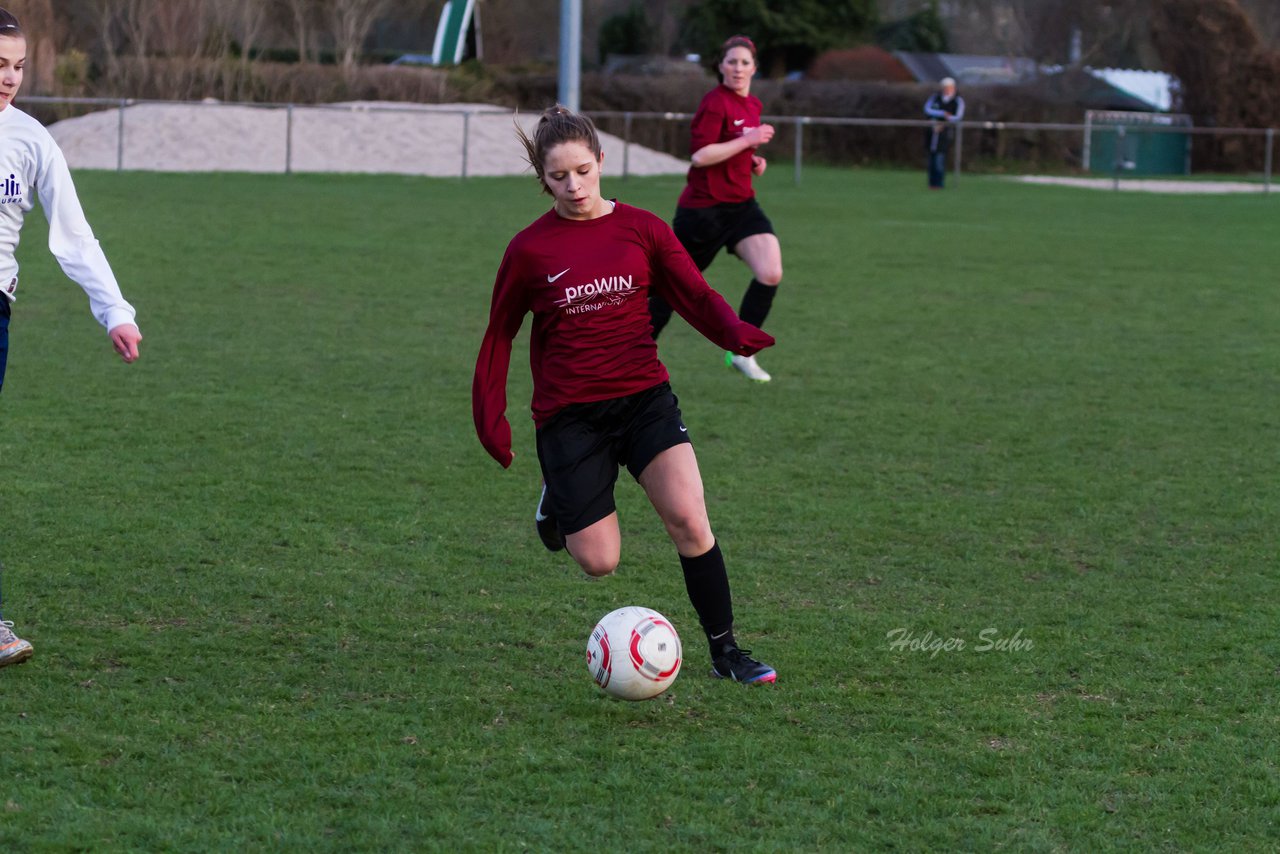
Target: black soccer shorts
[[705, 231], [582, 446]]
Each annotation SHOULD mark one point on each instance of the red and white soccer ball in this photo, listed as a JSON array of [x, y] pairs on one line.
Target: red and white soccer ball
[[634, 653]]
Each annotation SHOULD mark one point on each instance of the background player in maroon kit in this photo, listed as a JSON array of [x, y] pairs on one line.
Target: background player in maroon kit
[[718, 207], [601, 398]]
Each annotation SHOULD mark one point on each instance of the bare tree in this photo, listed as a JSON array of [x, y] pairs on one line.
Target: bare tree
[[522, 32], [105, 15], [350, 22], [984, 26], [37, 16], [1108, 32], [669, 18], [44, 35], [1266, 20], [1229, 77], [135, 20], [245, 21], [1105, 32], [304, 16], [186, 28]]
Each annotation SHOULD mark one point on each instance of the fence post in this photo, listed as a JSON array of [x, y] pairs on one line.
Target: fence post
[[466, 136], [1087, 152], [1266, 172], [959, 150], [800, 122], [288, 139], [120, 136], [626, 144], [1118, 163]]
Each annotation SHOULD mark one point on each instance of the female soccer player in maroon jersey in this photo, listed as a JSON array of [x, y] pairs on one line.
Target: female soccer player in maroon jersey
[[718, 207], [601, 398]]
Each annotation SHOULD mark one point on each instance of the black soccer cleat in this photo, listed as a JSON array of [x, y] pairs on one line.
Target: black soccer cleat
[[548, 528], [738, 665]]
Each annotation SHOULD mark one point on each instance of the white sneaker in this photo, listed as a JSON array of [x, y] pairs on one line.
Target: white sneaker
[[13, 649], [747, 364]]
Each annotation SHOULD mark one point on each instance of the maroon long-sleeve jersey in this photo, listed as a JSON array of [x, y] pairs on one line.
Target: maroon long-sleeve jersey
[[587, 283], [723, 116]]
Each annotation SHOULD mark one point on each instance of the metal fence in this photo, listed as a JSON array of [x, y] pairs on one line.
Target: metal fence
[[290, 141], [1082, 136]]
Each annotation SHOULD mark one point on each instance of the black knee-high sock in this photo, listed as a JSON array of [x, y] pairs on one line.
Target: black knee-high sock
[[756, 303], [708, 584], [659, 314]]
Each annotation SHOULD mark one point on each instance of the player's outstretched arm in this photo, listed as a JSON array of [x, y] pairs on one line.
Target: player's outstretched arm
[[679, 282]]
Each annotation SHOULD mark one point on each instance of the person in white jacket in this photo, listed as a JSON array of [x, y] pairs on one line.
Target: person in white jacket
[[31, 165]]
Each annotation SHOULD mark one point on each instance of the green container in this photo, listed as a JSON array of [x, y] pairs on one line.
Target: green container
[[1138, 144]]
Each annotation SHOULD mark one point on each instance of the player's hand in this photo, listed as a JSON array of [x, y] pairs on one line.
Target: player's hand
[[760, 135], [125, 339], [758, 165]]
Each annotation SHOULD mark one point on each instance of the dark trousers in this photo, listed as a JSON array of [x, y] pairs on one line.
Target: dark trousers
[[4, 337], [937, 168]]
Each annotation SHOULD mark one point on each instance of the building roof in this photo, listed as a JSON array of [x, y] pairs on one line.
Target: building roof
[[1153, 87], [1101, 88], [968, 68], [1079, 87]]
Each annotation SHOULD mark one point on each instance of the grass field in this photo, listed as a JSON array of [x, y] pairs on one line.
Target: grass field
[[281, 598]]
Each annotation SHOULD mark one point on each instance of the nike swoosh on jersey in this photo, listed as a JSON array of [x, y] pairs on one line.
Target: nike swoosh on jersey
[[551, 278], [738, 122]]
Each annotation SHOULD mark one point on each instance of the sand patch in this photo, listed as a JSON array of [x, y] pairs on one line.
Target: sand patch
[[361, 136], [1147, 185]]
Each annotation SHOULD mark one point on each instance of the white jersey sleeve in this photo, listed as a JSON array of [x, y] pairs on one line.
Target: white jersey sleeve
[[72, 242]]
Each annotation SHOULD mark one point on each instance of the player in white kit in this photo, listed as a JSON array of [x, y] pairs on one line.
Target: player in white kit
[[31, 166]]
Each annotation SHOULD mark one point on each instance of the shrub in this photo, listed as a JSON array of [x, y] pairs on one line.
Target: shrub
[[867, 62], [627, 33], [71, 73], [301, 83], [1229, 76]]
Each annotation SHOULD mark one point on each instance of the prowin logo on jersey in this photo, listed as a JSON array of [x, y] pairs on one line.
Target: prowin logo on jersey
[[594, 295], [10, 191]]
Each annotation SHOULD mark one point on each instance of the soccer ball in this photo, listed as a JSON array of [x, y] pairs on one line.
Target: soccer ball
[[634, 653]]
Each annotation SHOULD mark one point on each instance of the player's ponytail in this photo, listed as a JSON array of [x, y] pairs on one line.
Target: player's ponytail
[[9, 25], [558, 125]]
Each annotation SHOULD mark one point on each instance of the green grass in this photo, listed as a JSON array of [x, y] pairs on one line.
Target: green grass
[[281, 598]]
